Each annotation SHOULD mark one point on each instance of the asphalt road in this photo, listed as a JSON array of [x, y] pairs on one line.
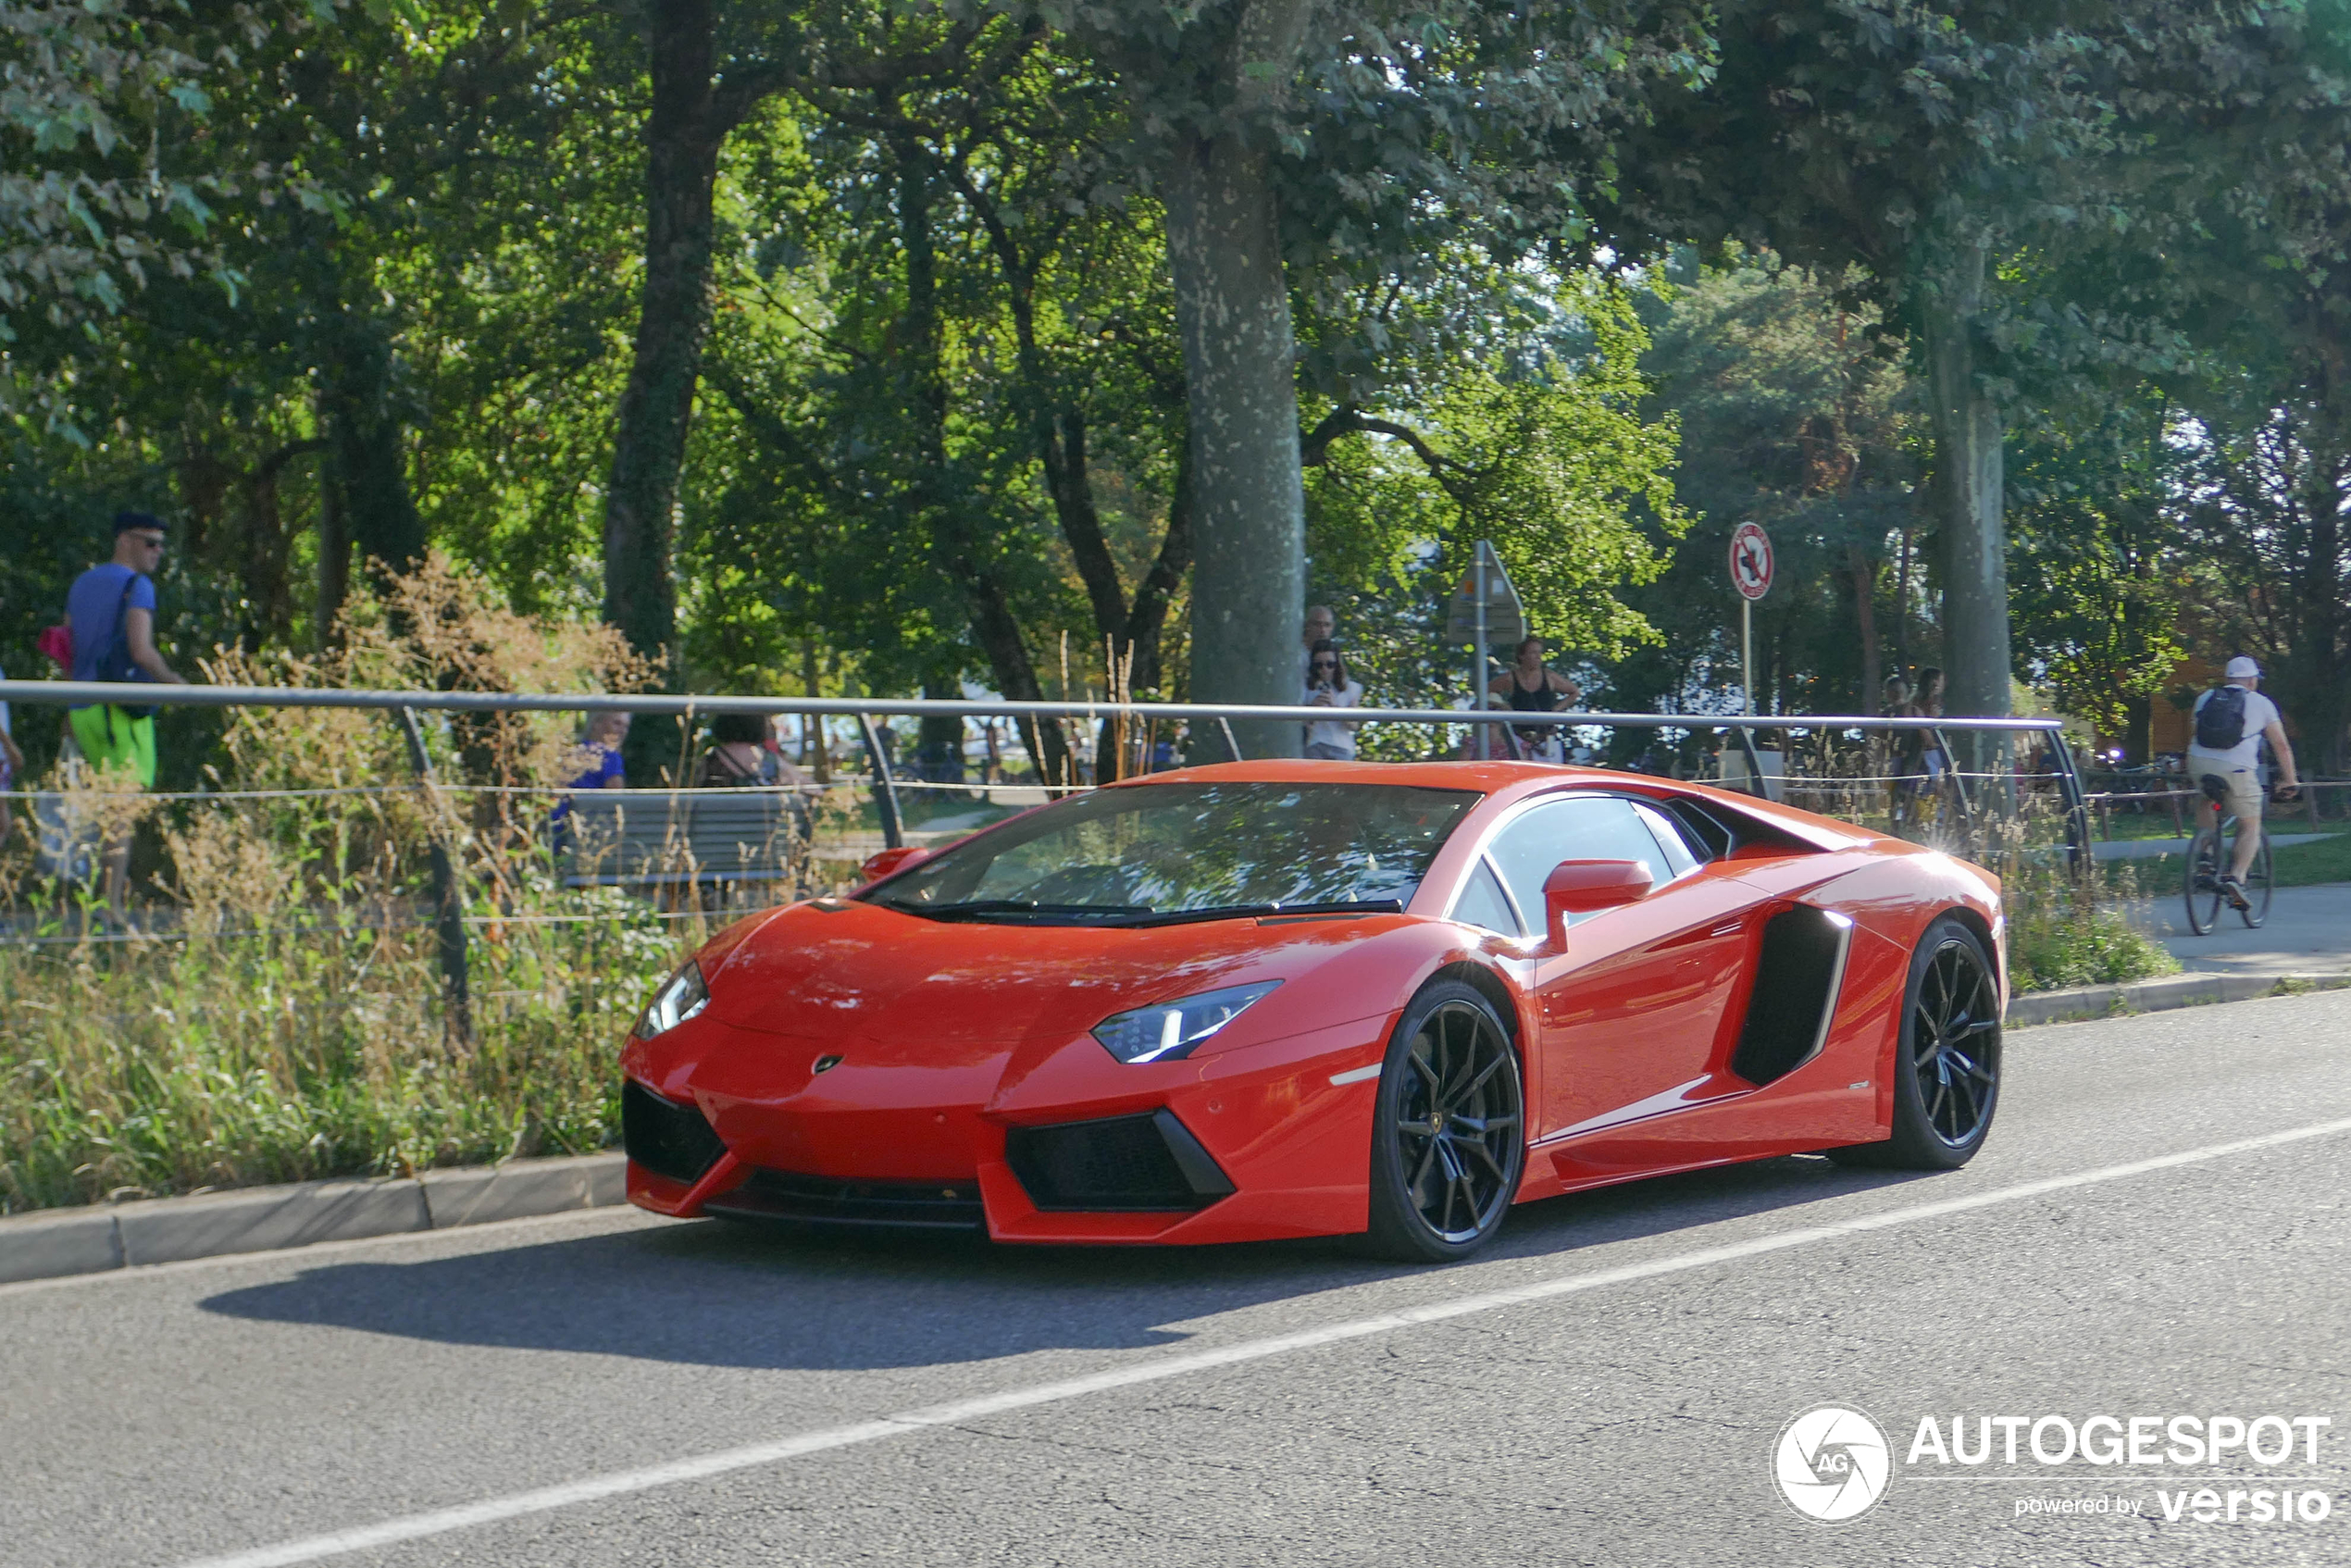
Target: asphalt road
[[2158, 1227]]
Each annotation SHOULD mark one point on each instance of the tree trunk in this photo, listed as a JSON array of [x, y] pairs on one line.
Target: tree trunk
[[815, 747], [1865, 620], [2312, 686], [367, 454], [1968, 483], [1147, 616], [994, 626], [2138, 729], [334, 561], [1249, 510], [682, 138]]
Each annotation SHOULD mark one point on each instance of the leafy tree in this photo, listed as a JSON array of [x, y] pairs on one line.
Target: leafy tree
[[1306, 149], [1799, 415], [1544, 451], [1921, 143], [2096, 557]]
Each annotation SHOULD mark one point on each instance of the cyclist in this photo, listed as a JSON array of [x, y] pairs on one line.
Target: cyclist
[[2232, 721]]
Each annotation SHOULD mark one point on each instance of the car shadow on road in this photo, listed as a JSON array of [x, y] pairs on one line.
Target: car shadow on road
[[717, 1294]]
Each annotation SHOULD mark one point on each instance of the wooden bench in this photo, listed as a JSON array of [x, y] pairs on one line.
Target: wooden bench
[[661, 837]]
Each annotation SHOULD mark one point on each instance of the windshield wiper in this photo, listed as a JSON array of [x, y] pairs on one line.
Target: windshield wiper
[[981, 909], [1245, 911]]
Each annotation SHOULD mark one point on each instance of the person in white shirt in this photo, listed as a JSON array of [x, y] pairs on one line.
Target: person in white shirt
[[2237, 765], [1327, 686]]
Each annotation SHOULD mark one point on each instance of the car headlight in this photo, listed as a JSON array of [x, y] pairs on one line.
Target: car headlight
[[1171, 1029], [680, 997]]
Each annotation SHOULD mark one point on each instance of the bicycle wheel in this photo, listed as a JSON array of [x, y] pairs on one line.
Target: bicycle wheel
[[2259, 881], [2204, 881]]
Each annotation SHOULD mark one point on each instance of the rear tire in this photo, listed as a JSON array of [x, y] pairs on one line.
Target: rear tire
[[1449, 1129], [1946, 1066]]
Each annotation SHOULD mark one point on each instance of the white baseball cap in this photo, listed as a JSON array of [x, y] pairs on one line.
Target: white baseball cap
[[2243, 668]]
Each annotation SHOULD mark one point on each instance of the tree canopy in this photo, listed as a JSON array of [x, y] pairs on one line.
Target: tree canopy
[[1075, 346]]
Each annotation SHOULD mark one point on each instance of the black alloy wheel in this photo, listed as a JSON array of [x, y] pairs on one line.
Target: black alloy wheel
[[1947, 1068], [1449, 1131]]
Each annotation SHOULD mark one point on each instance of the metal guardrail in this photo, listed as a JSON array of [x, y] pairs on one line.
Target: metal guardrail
[[447, 903]]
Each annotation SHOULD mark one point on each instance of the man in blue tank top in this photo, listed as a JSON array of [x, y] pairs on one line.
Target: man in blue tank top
[[112, 609]]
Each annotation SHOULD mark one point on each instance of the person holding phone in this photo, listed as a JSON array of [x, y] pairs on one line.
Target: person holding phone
[[1328, 686]]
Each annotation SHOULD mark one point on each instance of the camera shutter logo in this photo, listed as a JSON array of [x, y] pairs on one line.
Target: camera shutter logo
[[1832, 1464]]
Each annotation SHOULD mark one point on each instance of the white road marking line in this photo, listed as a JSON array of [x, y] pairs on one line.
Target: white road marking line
[[417, 1526]]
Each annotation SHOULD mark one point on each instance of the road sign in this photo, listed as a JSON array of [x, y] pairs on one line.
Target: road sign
[[1505, 616], [1750, 561]]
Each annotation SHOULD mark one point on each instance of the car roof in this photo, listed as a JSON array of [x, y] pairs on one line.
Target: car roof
[[1487, 777], [1492, 778]]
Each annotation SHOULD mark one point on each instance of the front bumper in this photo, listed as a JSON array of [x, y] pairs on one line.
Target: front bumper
[[1252, 1144]]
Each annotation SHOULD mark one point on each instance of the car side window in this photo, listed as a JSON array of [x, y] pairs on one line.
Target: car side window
[[1577, 827], [1669, 838], [1483, 905]]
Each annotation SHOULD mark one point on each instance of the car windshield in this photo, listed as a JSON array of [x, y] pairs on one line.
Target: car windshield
[[1153, 854]]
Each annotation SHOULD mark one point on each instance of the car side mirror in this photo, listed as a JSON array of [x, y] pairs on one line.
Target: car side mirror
[[880, 866], [1582, 887]]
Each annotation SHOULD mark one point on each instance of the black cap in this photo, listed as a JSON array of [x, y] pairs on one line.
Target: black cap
[[125, 521]]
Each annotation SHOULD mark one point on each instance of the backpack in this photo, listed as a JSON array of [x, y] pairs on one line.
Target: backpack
[[115, 662], [2219, 723]]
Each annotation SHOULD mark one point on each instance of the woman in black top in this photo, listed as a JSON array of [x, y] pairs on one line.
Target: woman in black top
[[1531, 687]]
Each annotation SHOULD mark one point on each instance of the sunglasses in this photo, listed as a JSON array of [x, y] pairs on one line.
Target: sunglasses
[[1326, 664], [152, 541]]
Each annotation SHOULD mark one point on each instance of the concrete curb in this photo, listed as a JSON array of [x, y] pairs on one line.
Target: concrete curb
[[54, 1244], [2082, 1003], [266, 1219]]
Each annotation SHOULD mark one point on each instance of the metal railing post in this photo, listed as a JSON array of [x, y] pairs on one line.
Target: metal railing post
[[449, 915], [885, 787], [1756, 785], [2080, 855]]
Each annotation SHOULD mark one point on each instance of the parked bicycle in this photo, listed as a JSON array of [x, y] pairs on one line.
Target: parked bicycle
[[2213, 848]]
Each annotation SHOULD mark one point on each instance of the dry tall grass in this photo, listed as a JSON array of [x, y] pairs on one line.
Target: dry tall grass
[[283, 1019]]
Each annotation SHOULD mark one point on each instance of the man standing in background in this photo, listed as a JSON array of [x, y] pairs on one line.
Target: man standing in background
[[112, 609], [1321, 625]]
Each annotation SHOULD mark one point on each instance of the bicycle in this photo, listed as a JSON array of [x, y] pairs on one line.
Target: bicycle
[[2213, 847]]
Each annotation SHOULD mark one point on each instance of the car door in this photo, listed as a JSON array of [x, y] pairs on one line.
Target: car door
[[1631, 1015]]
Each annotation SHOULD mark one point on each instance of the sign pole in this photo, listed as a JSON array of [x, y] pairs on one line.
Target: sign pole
[[1477, 660], [1747, 652], [1483, 606], [1751, 571]]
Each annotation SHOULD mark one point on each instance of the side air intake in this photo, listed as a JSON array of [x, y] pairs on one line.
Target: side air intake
[[1121, 1164], [666, 1137], [1798, 974]]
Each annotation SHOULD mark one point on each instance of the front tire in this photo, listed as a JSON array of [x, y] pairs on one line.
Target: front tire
[[2204, 876], [1449, 1129], [2259, 878], [1946, 1066]]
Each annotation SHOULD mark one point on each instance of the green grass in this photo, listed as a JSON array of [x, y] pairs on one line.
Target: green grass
[[161, 1066], [2297, 866]]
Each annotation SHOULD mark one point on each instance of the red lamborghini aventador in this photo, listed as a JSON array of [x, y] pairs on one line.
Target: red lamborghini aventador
[[1296, 999]]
